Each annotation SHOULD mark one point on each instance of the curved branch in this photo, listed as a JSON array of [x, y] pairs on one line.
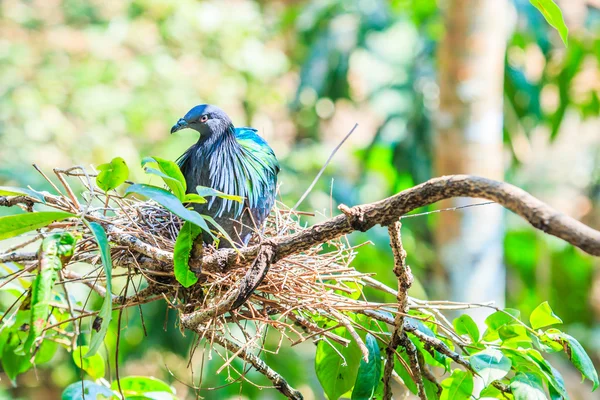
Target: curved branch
[[387, 211]]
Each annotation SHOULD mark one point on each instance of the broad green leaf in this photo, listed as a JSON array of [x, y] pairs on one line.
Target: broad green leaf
[[171, 174], [194, 198], [106, 309], [532, 361], [514, 335], [576, 354], [404, 373], [93, 366], [490, 365], [112, 174], [465, 325], [181, 254], [458, 386], [207, 192], [527, 386], [507, 316], [337, 375], [14, 364], [148, 387], [554, 16], [369, 373], [431, 390], [219, 228], [13, 225], [170, 202], [53, 248], [87, 390], [543, 316], [16, 191]]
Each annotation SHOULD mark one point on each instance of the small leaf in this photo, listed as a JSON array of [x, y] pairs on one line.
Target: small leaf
[[170, 173], [181, 254], [112, 174], [16, 191], [576, 354], [13, 225], [14, 364], [143, 386], [93, 366], [490, 365], [404, 373], [459, 386], [369, 373], [553, 15], [194, 198], [465, 325], [527, 386], [86, 390], [106, 309], [207, 192], [170, 202], [543, 316], [508, 316], [337, 375]]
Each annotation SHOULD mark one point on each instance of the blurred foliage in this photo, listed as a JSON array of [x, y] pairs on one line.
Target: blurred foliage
[[82, 82]]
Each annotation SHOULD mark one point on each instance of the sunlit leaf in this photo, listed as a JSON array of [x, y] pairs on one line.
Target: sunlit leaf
[[106, 309], [170, 173], [543, 316], [94, 366], [13, 225], [465, 325], [491, 365], [527, 386], [369, 373], [459, 386], [576, 354], [181, 254], [112, 174], [194, 198], [148, 387], [554, 16], [507, 316], [207, 192]]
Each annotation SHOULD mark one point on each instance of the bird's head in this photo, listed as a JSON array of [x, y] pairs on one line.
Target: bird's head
[[207, 119]]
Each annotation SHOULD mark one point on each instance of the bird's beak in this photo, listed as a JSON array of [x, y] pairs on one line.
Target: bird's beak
[[181, 124]]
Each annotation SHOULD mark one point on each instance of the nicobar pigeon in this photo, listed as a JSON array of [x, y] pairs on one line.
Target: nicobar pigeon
[[232, 160]]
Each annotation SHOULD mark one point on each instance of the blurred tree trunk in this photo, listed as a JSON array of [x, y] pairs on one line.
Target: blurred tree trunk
[[469, 140]]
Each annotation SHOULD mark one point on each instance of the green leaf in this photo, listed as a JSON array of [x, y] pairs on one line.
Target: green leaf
[[337, 375], [465, 325], [514, 335], [14, 364], [531, 360], [170, 202], [112, 174], [554, 16], [543, 316], [458, 386], [527, 386], [148, 387], [207, 192], [507, 316], [404, 373], [87, 390], [181, 254], [369, 373], [13, 225], [106, 309], [53, 248], [194, 198], [491, 365], [219, 228], [576, 354], [93, 365], [175, 179], [16, 191]]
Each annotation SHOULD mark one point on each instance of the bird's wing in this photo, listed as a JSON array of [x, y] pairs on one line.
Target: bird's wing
[[260, 168]]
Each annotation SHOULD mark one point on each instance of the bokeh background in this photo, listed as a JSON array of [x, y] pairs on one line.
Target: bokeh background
[[437, 87]]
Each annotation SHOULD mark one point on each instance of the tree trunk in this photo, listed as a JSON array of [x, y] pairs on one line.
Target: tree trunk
[[469, 140]]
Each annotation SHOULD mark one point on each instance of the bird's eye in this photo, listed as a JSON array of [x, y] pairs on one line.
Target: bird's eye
[[204, 118]]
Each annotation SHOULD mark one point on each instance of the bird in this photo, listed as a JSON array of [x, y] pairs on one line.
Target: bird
[[235, 161]]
